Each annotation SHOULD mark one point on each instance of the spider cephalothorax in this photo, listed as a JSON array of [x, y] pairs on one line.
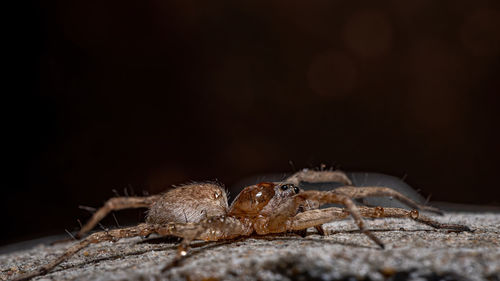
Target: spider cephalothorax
[[201, 211]]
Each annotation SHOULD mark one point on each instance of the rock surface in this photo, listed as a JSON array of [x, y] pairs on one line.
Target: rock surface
[[413, 252]]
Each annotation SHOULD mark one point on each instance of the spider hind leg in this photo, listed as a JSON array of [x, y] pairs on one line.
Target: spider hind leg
[[114, 204]]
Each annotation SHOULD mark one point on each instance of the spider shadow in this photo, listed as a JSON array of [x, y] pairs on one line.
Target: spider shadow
[[314, 239], [319, 238], [199, 247], [333, 232], [269, 237]]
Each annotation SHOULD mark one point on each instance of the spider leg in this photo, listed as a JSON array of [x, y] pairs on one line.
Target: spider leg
[[316, 217], [312, 176], [114, 204], [307, 207], [112, 235], [332, 197], [210, 229], [376, 191], [379, 212], [320, 216]]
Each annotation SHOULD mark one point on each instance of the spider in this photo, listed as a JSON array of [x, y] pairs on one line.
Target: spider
[[200, 211]]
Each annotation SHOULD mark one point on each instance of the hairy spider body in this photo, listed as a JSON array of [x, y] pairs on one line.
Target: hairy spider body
[[201, 211], [189, 203]]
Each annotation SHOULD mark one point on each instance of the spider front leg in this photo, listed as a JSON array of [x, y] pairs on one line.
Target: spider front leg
[[114, 204], [319, 228], [330, 197], [312, 176], [377, 191], [320, 216], [379, 212], [278, 217]]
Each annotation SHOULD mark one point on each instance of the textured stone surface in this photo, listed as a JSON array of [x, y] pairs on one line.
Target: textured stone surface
[[416, 253]]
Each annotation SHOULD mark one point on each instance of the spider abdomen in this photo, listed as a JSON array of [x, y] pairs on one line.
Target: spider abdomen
[[189, 203]]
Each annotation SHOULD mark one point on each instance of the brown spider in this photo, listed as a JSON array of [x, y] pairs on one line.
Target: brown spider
[[201, 211]]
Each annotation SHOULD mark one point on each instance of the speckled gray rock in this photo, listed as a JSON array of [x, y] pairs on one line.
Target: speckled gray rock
[[413, 252]]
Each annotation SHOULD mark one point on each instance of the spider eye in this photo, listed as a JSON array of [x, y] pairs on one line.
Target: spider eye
[[285, 186], [288, 186]]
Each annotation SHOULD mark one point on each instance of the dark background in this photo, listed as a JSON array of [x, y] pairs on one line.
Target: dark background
[[104, 95]]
